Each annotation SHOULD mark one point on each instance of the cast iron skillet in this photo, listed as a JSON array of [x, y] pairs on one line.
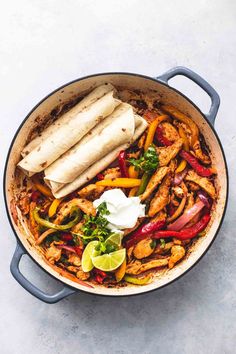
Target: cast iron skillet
[[163, 80]]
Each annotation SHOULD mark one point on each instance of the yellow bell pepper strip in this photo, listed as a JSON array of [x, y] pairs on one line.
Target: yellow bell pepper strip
[[133, 192], [53, 207], [152, 129], [120, 182], [185, 119], [51, 225], [138, 281], [133, 173], [185, 139], [120, 272], [183, 163], [181, 167], [144, 182], [43, 189]]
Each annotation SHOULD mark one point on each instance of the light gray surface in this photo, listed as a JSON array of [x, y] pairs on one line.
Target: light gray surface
[[44, 44]]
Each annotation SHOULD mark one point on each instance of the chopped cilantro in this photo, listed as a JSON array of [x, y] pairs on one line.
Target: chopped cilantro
[[95, 227], [148, 162], [163, 243], [104, 247], [102, 209]]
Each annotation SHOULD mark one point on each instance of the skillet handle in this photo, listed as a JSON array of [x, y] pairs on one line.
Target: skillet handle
[[215, 99], [31, 288]]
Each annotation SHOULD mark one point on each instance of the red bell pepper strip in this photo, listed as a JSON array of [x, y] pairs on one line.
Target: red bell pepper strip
[[193, 162], [99, 275], [35, 196], [161, 139], [74, 249], [78, 250], [100, 176], [142, 232], [187, 233], [122, 164], [66, 236]]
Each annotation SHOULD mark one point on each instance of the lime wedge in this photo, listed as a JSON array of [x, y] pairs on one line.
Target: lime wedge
[[114, 239], [110, 261], [90, 251]]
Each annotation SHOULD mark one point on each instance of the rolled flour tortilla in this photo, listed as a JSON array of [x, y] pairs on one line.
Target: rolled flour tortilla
[[93, 170], [51, 172], [115, 130], [67, 135], [91, 98]]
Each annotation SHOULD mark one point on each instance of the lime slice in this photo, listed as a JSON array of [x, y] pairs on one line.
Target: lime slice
[[114, 239], [90, 251], [110, 261]]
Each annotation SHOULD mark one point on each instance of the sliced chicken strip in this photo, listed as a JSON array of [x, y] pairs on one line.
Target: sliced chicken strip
[[177, 253], [112, 173], [159, 216], [85, 205], [154, 181], [91, 192], [185, 119], [199, 153], [169, 131], [161, 198], [137, 267], [173, 165], [166, 154], [53, 254], [163, 249], [195, 143], [203, 182], [143, 249]]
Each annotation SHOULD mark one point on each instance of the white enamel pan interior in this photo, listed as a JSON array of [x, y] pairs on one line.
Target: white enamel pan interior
[[25, 242]]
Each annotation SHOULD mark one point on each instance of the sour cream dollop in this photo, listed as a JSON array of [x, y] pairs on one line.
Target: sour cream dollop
[[124, 211]]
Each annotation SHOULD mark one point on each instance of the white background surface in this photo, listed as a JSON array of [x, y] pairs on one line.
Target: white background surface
[[44, 44]]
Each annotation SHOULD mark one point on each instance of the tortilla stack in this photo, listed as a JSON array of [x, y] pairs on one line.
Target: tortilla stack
[[61, 190], [66, 135], [91, 98]]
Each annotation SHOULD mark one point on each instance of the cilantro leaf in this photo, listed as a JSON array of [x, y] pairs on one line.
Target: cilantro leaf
[[148, 162], [95, 227], [102, 209]]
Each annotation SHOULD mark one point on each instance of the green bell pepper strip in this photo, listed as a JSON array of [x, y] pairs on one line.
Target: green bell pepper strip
[[137, 281], [144, 182], [51, 225]]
